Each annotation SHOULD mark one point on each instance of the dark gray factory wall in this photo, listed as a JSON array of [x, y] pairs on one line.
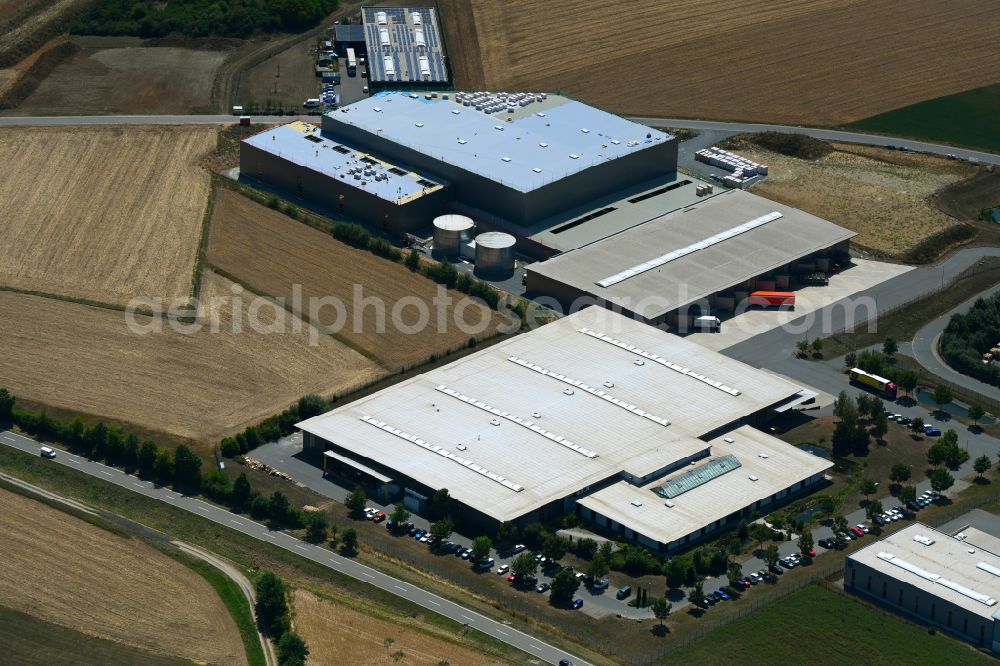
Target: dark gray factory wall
[[375, 212]]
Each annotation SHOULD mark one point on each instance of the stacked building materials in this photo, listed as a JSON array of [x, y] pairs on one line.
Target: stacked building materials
[[498, 102], [744, 172]]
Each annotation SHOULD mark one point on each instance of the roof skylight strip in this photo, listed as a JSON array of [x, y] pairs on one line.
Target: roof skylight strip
[[662, 361], [590, 389], [518, 420], [444, 453], [656, 262], [984, 599]]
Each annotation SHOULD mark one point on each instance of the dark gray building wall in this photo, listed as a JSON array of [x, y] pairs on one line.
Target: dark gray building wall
[[518, 207], [906, 599], [299, 181]]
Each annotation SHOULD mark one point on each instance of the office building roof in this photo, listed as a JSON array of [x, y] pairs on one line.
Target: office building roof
[[746, 465], [302, 144], [404, 45], [349, 33], [523, 146], [551, 412], [688, 254], [961, 571]]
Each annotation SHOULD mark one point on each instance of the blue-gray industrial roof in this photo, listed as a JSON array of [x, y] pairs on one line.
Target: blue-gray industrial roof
[[349, 33], [404, 45], [302, 144], [523, 153]]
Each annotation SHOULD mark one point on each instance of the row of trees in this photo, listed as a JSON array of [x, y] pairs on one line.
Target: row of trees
[[851, 434], [201, 18], [273, 427], [274, 620]]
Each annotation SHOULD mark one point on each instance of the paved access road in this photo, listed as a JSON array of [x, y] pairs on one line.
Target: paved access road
[[322, 556], [925, 349], [701, 125], [827, 134]]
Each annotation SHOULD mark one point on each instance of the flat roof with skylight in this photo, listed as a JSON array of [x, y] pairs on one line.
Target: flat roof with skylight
[[302, 144], [691, 253], [959, 571], [542, 415], [745, 466], [514, 143]]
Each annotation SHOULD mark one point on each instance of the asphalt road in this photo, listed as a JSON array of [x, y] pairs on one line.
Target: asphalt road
[[701, 125], [925, 350], [322, 556]]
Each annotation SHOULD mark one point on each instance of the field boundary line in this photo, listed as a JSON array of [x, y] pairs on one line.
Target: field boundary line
[[74, 299], [206, 226]]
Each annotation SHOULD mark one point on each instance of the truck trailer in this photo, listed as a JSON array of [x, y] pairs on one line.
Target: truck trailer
[[767, 298], [886, 386]]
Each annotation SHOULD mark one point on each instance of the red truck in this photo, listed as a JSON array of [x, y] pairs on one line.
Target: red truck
[[767, 298]]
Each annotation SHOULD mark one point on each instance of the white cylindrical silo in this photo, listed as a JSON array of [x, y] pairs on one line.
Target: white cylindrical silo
[[495, 254], [450, 233]]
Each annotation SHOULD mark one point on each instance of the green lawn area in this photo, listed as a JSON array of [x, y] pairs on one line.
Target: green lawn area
[[965, 119], [26, 640], [819, 626]]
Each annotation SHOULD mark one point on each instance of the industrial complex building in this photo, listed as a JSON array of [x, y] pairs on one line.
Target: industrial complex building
[[713, 253], [404, 48], [951, 582], [596, 197], [635, 429]]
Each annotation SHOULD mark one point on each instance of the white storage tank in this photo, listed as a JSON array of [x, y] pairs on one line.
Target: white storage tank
[[450, 233], [495, 254]]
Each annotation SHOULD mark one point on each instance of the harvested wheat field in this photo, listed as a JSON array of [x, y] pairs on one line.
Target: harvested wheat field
[[201, 386], [883, 195], [337, 634], [272, 252], [790, 61], [102, 213], [66, 571]]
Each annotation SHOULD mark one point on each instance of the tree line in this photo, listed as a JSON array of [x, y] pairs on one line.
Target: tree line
[[201, 18], [968, 336], [274, 620], [274, 427]]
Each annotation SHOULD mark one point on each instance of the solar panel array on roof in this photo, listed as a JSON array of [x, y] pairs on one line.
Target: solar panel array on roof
[[397, 38], [702, 474]]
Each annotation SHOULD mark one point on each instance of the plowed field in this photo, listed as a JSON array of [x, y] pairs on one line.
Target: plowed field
[[786, 61], [66, 571]]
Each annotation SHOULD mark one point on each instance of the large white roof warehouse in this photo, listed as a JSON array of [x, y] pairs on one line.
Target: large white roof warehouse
[[687, 255], [533, 421]]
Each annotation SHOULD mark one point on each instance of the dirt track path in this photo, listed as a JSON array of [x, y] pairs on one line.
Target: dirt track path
[[244, 584]]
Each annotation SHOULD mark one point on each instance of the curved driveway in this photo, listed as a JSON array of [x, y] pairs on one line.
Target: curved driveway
[[702, 125], [925, 349], [322, 556]]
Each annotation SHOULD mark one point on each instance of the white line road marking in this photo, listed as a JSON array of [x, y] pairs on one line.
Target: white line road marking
[[501, 631], [235, 522], [469, 618], [300, 547], [201, 508], [431, 601], [532, 645], [74, 461], [104, 473], [365, 573], [269, 535]]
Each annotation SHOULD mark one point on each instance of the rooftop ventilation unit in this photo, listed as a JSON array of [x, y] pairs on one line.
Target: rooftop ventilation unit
[[754, 477], [537, 170], [989, 568], [574, 156], [381, 18], [456, 111], [419, 124], [762, 455], [728, 440], [926, 540], [636, 503], [669, 504], [585, 130], [505, 159], [462, 141]]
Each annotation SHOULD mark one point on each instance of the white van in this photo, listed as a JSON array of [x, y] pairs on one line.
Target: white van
[[708, 323], [311, 103], [46, 452]]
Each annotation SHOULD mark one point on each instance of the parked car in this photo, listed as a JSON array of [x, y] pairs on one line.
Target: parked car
[[913, 506], [466, 554], [577, 603], [722, 593], [775, 569], [754, 579], [419, 534], [879, 520], [711, 600], [864, 528], [544, 587], [624, 592], [809, 553], [370, 512], [931, 431], [502, 569], [599, 585], [511, 578], [378, 517], [517, 548]]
